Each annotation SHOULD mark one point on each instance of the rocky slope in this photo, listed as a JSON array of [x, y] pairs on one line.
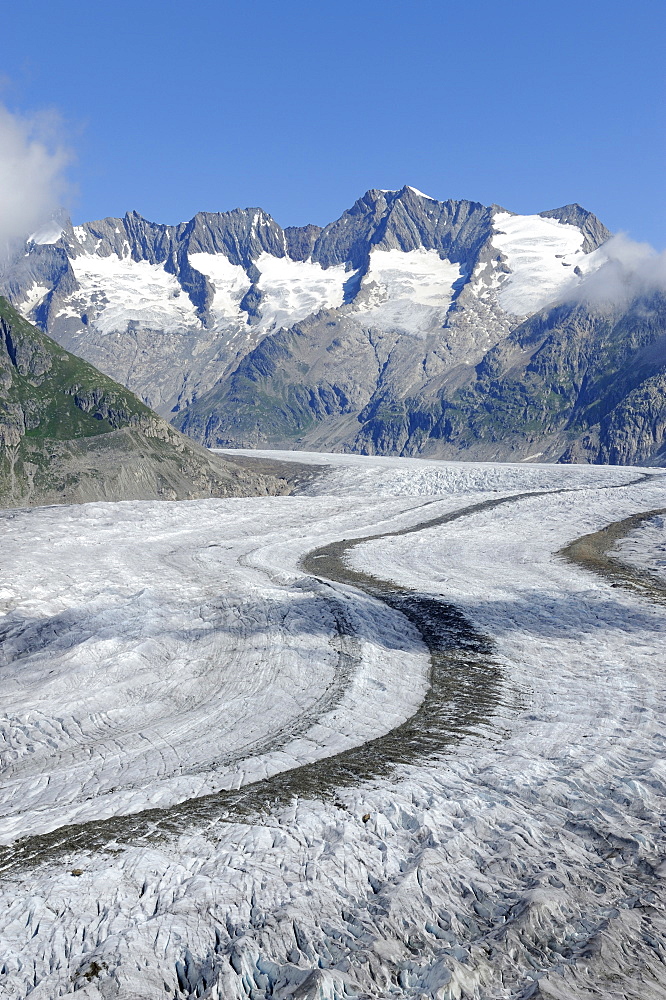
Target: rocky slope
[[570, 384], [407, 326], [70, 434]]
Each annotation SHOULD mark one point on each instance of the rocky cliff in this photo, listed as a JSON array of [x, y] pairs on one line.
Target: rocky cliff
[[570, 384]]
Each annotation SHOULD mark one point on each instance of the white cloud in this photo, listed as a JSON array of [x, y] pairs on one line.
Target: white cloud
[[618, 272], [33, 160]]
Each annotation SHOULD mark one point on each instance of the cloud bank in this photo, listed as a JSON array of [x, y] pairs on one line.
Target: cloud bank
[[33, 186], [618, 272]]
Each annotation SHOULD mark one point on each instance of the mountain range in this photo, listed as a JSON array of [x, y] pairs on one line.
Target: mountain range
[[407, 326]]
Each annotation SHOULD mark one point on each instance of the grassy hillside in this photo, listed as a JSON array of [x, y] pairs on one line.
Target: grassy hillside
[[70, 434]]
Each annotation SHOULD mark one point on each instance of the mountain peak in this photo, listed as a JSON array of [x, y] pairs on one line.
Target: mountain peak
[[419, 194], [593, 229]]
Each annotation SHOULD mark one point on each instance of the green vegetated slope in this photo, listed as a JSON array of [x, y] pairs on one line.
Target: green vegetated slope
[[70, 434], [570, 384]]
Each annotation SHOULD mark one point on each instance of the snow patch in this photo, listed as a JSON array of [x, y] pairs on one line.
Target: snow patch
[[420, 193], [294, 289], [541, 254], [114, 292], [33, 297]]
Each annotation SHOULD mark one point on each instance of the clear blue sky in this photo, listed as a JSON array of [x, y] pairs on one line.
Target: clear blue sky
[[300, 107]]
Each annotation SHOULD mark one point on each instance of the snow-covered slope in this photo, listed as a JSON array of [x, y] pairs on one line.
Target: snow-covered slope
[[292, 290], [119, 294], [171, 649], [540, 254], [407, 290], [230, 283]]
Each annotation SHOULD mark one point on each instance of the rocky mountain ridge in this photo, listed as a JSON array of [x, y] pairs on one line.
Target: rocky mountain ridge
[[170, 310], [567, 385], [406, 326]]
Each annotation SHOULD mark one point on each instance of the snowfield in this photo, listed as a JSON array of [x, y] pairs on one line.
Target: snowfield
[[291, 289], [294, 289], [541, 254], [408, 290], [214, 774]]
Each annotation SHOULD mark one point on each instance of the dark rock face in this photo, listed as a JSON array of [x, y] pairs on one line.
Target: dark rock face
[[579, 385], [404, 220], [301, 241], [70, 434]]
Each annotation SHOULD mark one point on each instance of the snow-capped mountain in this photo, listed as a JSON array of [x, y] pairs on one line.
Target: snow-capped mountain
[[407, 326], [169, 310]]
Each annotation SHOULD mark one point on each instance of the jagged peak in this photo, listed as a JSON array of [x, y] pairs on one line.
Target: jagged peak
[[573, 207], [249, 210], [415, 191], [594, 230]]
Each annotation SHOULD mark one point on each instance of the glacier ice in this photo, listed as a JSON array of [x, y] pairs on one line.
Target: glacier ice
[[148, 648]]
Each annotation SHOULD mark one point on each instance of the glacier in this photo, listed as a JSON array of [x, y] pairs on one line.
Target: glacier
[[183, 697], [538, 252]]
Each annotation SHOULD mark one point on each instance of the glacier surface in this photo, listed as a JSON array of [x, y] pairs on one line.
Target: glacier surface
[[175, 685]]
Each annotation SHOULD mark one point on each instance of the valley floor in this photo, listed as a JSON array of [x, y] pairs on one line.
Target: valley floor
[[244, 756]]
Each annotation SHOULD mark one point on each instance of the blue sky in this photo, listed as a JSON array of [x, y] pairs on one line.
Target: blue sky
[[299, 107]]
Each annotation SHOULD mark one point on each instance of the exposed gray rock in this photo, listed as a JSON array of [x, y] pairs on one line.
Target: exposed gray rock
[[404, 220], [567, 385], [301, 240]]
